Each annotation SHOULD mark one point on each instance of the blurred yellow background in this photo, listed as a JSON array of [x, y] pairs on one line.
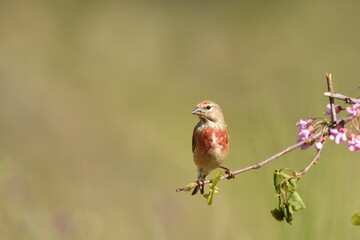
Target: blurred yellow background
[[95, 116]]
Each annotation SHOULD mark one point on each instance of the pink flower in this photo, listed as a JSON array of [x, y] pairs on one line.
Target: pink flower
[[305, 131], [353, 110], [354, 143], [338, 134], [303, 134], [301, 124], [319, 145], [304, 124], [338, 108]]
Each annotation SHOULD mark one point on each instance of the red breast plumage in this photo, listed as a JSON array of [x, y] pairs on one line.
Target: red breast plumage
[[211, 148]]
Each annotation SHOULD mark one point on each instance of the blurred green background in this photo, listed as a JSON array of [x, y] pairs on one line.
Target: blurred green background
[[95, 116]]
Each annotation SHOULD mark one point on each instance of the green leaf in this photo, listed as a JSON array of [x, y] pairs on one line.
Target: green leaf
[[277, 180], [285, 211], [278, 214], [210, 197], [279, 176], [295, 201], [289, 208], [213, 189], [288, 215], [284, 175], [216, 178], [292, 184], [290, 200], [355, 220]]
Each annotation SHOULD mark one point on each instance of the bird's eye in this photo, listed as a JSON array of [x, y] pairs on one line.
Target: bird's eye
[[208, 107]]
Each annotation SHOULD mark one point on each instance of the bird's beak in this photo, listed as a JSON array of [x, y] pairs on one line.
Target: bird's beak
[[197, 111]]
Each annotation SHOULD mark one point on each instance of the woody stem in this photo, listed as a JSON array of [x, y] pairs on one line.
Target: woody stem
[[331, 90]]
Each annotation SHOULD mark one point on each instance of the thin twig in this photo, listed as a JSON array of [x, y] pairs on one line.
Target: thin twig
[[332, 105], [313, 162], [286, 150], [346, 119], [339, 96]]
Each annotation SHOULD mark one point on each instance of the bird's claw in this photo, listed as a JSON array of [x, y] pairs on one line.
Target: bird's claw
[[200, 187], [229, 173]]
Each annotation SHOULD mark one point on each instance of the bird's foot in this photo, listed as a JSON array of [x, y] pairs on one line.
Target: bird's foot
[[200, 187], [228, 172]]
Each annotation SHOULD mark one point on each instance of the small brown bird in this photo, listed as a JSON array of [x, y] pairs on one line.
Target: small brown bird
[[210, 141]]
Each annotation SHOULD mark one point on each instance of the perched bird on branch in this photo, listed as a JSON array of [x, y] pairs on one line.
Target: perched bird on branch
[[210, 141]]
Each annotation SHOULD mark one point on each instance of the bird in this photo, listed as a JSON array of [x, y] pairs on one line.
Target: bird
[[210, 142]]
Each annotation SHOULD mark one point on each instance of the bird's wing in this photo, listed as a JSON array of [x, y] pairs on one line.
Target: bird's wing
[[194, 137]]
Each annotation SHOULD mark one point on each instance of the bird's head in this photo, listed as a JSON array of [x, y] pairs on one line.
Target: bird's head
[[209, 111]]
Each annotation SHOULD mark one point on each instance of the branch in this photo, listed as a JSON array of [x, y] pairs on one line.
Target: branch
[[313, 162], [339, 96], [331, 90], [343, 120]]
